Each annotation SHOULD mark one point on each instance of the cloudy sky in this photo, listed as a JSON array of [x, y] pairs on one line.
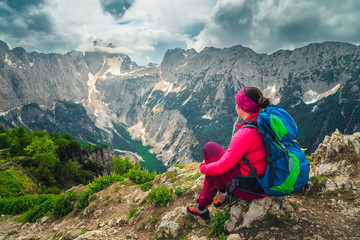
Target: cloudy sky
[[145, 29]]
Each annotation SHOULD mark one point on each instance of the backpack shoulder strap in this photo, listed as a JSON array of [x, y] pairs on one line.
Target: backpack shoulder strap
[[245, 159], [250, 124]]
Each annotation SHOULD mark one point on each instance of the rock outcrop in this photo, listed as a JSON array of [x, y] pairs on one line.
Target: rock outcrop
[[103, 156]]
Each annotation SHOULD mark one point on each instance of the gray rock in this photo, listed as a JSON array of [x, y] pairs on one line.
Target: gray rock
[[98, 213], [232, 224], [72, 234], [234, 237], [257, 211], [170, 224], [121, 222]]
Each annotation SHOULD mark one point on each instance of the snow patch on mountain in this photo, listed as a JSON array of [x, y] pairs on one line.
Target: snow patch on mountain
[[314, 108], [207, 116], [9, 62], [166, 87], [163, 86], [186, 101], [312, 96], [95, 106], [114, 65]]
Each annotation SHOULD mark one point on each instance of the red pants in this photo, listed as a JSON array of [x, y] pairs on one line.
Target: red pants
[[213, 152]]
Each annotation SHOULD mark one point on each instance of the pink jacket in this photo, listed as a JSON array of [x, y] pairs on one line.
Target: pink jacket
[[246, 141]]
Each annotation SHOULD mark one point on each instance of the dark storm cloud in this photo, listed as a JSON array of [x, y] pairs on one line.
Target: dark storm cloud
[[23, 5], [269, 25], [309, 29], [101, 43], [235, 17], [116, 8], [194, 29], [20, 18]]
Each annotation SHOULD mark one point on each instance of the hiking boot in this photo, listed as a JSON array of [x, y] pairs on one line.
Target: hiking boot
[[194, 210], [222, 200]]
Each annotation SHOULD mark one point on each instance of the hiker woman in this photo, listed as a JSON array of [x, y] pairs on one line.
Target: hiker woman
[[221, 166]]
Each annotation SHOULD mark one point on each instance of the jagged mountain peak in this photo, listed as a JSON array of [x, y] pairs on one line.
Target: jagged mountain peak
[[3, 45], [327, 48], [117, 62], [173, 60]]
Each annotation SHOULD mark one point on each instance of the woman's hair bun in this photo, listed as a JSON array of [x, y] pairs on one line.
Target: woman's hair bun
[[255, 94], [264, 102]]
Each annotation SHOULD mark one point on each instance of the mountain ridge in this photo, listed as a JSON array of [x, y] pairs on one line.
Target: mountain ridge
[[187, 100]]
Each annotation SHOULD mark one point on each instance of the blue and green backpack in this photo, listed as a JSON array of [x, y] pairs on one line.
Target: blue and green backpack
[[287, 169]]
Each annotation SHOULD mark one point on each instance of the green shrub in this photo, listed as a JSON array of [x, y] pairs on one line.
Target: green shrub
[[14, 183], [180, 191], [103, 182], [83, 200], [35, 207], [96, 186], [146, 186], [38, 211], [161, 195], [121, 166], [139, 176], [222, 236], [16, 205], [179, 165], [218, 221], [62, 206], [92, 198]]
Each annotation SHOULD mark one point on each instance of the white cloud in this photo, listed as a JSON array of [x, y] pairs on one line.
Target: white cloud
[[146, 29]]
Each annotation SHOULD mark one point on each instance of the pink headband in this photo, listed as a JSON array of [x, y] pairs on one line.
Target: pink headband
[[245, 103]]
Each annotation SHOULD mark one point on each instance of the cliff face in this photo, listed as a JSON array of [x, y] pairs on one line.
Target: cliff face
[[103, 156], [330, 208], [40, 78]]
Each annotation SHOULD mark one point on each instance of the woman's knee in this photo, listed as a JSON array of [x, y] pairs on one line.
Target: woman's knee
[[212, 149]]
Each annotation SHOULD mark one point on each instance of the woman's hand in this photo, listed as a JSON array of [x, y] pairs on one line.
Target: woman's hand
[[203, 168]]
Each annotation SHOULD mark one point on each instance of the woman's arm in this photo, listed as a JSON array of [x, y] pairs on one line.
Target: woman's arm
[[239, 145]]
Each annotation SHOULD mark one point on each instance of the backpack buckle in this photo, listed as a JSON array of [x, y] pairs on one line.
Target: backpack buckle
[[235, 182]]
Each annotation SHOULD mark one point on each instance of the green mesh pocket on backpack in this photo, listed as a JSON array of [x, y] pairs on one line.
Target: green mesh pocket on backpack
[[278, 127]]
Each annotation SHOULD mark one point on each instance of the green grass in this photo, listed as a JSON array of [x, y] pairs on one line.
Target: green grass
[[132, 212], [179, 165], [152, 220], [192, 178], [35, 207], [14, 183], [161, 195]]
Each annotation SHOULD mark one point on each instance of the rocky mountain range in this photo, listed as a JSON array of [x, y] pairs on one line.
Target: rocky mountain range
[[187, 100]]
